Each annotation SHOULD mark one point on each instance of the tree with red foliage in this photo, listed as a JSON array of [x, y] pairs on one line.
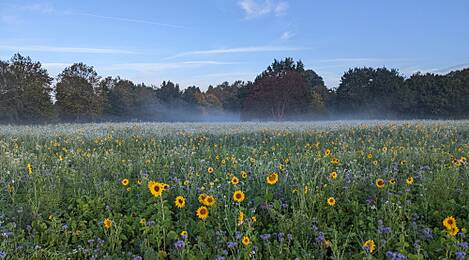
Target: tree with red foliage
[[277, 95]]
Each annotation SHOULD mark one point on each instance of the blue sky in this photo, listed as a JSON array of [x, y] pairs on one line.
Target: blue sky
[[207, 42]]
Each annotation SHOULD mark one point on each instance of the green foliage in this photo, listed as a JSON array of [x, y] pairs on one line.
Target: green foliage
[[58, 206]]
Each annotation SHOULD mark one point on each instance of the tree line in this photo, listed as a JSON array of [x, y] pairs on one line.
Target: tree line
[[284, 91]]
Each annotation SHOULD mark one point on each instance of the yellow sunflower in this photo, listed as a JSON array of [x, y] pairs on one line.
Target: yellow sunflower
[[335, 161], [180, 202], [246, 241], [333, 175], [369, 245], [453, 231], [142, 221], [244, 174], [409, 180], [392, 181], [209, 201], [327, 152], [202, 197], [155, 188], [272, 178], [238, 196], [202, 212], [449, 222], [164, 186], [125, 182], [234, 180], [241, 217], [331, 201], [210, 170], [107, 223], [379, 183], [370, 155], [281, 167]]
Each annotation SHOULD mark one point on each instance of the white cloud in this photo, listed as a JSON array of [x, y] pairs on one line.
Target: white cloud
[[287, 35], [256, 8], [155, 67], [38, 7], [130, 20], [64, 49], [235, 50]]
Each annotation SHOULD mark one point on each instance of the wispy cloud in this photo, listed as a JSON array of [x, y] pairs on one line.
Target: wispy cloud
[[257, 8], [155, 67], [451, 68], [236, 50], [46, 8], [287, 35], [349, 60], [38, 7], [36, 48], [130, 20]]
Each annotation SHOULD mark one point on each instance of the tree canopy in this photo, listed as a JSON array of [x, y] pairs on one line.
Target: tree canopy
[[285, 90]]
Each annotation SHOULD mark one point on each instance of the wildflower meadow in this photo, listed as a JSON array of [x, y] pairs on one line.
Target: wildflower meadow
[[335, 190]]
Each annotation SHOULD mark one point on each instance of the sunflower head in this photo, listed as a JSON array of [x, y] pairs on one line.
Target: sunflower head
[[453, 231], [238, 196], [210, 170], [331, 201], [333, 175], [202, 197], [202, 212], [180, 202], [244, 174], [125, 182], [234, 180], [449, 222], [272, 179], [409, 180], [392, 181], [107, 223], [156, 188], [241, 217], [246, 240], [209, 201], [369, 246], [379, 183]]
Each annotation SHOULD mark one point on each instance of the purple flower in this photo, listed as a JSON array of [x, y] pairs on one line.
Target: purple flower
[[180, 244], [384, 230], [460, 255], [138, 258], [232, 244], [320, 237], [265, 236], [463, 245], [150, 223], [427, 233], [220, 257], [3, 254], [395, 255]]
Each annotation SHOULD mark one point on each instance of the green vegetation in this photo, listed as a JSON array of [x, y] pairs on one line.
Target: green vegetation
[[192, 191], [284, 91]]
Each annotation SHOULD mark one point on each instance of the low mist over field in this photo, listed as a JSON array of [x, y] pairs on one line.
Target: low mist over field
[[234, 129]]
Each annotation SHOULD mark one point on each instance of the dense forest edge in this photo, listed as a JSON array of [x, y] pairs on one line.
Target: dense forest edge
[[284, 91]]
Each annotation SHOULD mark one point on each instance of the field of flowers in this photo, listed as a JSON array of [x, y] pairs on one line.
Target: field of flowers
[[339, 190]]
